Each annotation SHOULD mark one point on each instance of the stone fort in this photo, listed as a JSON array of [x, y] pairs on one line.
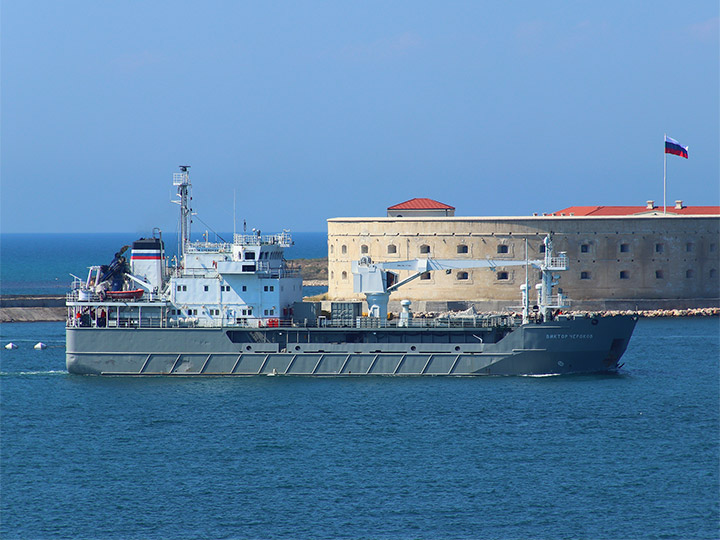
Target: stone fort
[[621, 257]]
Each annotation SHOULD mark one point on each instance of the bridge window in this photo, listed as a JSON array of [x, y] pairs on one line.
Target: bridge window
[[502, 276], [461, 276], [249, 255], [392, 248], [424, 249], [364, 249], [462, 248], [502, 248]]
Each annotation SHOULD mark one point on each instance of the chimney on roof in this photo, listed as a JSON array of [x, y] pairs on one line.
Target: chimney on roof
[[650, 205], [678, 205]]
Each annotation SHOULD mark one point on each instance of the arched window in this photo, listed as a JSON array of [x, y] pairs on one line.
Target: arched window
[[363, 249], [424, 248], [343, 249], [392, 248], [461, 276], [462, 248], [344, 275]]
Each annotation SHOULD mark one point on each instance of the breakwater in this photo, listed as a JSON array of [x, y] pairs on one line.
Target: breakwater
[[52, 308]]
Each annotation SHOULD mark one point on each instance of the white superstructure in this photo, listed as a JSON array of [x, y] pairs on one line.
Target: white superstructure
[[244, 283]]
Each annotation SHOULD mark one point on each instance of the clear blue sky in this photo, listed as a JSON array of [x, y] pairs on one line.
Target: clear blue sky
[[313, 110]]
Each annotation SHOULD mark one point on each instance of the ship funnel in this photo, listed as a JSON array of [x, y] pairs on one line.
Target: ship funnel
[[148, 260]]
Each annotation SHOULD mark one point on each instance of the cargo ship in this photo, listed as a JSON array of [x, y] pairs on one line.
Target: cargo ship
[[236, 309]]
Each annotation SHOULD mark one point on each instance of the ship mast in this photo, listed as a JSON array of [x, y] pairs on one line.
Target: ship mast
[[182, 181]]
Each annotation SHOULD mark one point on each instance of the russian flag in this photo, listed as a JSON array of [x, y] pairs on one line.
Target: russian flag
[[673, 147]]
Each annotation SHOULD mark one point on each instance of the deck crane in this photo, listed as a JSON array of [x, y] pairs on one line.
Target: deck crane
[[377, 280]]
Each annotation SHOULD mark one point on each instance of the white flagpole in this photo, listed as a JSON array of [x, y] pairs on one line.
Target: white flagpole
[[664, 177]]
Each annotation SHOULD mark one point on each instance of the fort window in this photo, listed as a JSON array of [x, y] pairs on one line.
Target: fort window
[[689, 273], [332, 249], [332, 274], [424, 248], [502, 248], [426, 275], [502, 276], [462, 276], [712, 247], [205, 288], [659, 274], [624, 274], [713, 273], [344, 275], [584, 248], [462, 248], [624, 248], [584, 275], [392, 248], [689, 247], [659, 248], [343, 249], [363, 249]]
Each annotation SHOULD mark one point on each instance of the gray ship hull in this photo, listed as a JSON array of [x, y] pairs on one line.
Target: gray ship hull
[[562, 346]]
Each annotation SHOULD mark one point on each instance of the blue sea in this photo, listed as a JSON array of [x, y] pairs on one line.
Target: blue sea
[[633, 455]]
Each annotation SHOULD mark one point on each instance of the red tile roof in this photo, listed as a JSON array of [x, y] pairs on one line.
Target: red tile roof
[[421, 204], [632, 210]]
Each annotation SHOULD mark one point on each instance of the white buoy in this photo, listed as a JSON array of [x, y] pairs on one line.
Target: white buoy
[[11, 346], [40, 346]]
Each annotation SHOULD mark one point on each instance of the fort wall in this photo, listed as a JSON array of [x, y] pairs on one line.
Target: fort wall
[[651, 260]]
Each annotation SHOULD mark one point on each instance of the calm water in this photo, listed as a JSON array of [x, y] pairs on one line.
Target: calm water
[[42, 263], [627, 456]]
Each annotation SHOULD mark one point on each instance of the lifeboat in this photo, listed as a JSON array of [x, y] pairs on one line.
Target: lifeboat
[[135, 294]]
